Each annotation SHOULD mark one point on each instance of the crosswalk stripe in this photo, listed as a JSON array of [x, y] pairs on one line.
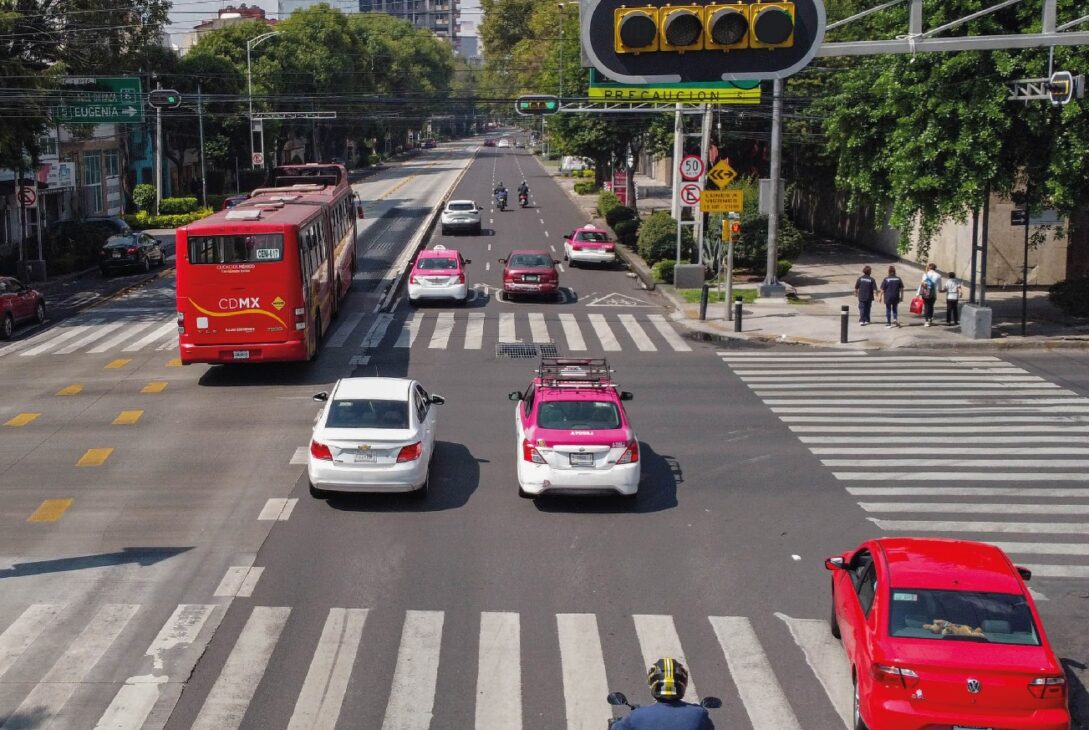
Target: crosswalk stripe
[[499, 672], [412, 696], [882, 380], [658, 639], [278, 509], [884, 388], [18, 637], [1017, 463], [166, 328], [1034, 492], [841, 355], [604, 334], [571, 332], [836, 428], [825, 656], [346, 328], [675, 340], [938, 439], [537, 327], [964, 476], [585, 685], [63, 336], [1043, 548], [409, 330], [948, 420], [57, 686], [230, 696], [636, 332], [95, 334], [474, 331], [1043, 528], [928, 450], [319, 702], [377, 332], [239, 580], [932, 401], [506, 328], [299, 457], [444, 327], [130, 331], [886, 373], [170, 343], [760, 692], [978, 509], [847, 355]]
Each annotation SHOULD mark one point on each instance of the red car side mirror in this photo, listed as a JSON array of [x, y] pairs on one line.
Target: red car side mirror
[[835, 563]]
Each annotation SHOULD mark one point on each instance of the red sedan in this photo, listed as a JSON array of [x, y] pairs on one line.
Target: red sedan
[[944, 635], [18, 303], [531, 271]]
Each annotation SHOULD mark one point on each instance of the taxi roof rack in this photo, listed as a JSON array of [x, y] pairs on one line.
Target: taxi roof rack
[[575, 372]]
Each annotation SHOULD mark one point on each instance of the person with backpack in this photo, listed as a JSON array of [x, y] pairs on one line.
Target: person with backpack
[[892, 289], [928, 291], [952, 298], [865, 288]]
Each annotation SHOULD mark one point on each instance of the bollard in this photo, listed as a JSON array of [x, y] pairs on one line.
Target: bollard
[[844, 312], [704, 294], [737, 314]]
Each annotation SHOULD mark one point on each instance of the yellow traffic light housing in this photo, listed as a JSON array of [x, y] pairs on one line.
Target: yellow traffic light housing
[[635, 30], [680, 28], [726, 27], [771, 25]]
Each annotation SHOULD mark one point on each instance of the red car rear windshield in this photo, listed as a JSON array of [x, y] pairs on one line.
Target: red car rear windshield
[[996, 618], [254, 248], [530, 261], [578, 414]]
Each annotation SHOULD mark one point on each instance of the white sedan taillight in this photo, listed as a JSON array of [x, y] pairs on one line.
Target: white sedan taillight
[[529, 453], [631, 454]]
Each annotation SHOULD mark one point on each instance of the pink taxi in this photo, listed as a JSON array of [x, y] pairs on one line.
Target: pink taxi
[[573, 434], [439, 273], [589, 245]]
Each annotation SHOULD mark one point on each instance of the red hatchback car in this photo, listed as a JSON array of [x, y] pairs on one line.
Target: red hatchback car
[[530, 271], [944, 635], [18, 303]]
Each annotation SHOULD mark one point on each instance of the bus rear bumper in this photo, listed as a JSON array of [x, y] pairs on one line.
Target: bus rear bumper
[[249, 352]]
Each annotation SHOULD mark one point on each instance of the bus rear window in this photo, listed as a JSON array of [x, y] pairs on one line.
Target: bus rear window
[[254, 248]]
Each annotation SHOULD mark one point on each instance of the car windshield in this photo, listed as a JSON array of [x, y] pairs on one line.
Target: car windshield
[[253, 248], [367, 413], [435, 263], [996, 618], [594, 236], [461, 207], [120, 241], [578, 414], [530, 260]]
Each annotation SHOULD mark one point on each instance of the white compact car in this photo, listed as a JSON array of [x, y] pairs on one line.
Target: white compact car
[[504, 143], [373, 435], [460, 215]]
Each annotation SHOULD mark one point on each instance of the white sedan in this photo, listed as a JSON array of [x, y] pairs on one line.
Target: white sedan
[[373, 435]]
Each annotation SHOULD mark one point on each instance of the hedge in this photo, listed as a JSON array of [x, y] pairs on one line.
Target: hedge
[[657, 238], [142, 220], [172, 206], [627, 231], [620, 213], [1071, 296], [606, 201], [585, 187], [663, 270]]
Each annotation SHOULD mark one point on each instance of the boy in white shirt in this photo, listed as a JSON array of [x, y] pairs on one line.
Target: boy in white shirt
[[952, 299]]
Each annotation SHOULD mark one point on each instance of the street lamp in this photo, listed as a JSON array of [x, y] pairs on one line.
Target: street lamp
[[249, 86]]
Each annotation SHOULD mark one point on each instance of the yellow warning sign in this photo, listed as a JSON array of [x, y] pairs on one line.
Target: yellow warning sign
[[278, 303], [722, 201], [721, 175]]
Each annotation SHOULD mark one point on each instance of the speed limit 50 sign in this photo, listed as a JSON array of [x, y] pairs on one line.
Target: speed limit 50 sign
[[691, 167]]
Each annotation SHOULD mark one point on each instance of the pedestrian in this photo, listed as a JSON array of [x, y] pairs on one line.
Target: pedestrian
[[928, 290], [892, 289], [865, 288], [952, 298]]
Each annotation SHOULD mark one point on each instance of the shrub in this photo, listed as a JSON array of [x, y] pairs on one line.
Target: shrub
[[143, 195], [657, 238], [552, 156], [374, 159], [606, 201], [143, 221], [663, 270], [619, 213], [627, 231], [751, 251], [172, 206], [782, 267], [1071, 296], [585, 187]]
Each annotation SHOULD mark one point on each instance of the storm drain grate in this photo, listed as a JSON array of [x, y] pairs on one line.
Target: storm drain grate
[[525, 350]]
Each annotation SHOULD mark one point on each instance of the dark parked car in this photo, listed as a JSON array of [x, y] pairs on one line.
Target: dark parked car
[[133, 251], [232, 200], [18, 303], [87, 234]]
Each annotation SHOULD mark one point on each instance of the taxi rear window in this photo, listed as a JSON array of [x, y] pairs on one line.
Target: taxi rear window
[[593, 236], [436, 263], [578, 414]]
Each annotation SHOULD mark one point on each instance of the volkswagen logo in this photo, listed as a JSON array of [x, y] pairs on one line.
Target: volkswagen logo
[[974, 686]]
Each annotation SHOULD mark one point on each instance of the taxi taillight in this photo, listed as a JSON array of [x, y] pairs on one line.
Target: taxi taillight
[[412, 279], [529, 453], [631, 454]]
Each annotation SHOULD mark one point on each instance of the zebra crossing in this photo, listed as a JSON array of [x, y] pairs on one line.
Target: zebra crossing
[[96, 333], [935, 444], [345, 661]]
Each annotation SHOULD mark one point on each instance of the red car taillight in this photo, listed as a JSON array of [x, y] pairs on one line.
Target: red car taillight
[[529, 453], [1048, 688], [630, 455], [130, 249], [895, 676], [320, 451], [410, 453]]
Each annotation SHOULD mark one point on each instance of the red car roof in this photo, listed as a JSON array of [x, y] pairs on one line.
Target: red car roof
[[953, 565]]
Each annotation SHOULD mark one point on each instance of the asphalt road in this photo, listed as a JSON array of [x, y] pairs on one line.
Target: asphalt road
[[474, 608]]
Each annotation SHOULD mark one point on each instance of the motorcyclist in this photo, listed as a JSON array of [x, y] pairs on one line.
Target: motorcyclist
[[668, 679], [523, 189], [500, 188]]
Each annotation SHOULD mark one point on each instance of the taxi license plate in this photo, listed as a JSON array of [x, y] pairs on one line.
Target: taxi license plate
[[366, 458], [241, 355], [582, 459]]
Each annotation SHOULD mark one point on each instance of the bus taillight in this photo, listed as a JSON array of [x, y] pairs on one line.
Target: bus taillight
[[181, 323], [300, 318]]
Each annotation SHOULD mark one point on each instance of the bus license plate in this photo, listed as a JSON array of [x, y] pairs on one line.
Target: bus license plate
[[241, 354], [366, 458], [582, 459]]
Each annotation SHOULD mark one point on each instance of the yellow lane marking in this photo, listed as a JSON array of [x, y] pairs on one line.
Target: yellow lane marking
[[22, 419], [70, 390], [50, 510], [175, 363], [127, 418], [155, 386], [397, 187], [119, 363], [94, 457]]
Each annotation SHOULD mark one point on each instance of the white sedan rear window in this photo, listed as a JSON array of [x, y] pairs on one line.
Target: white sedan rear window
[[367, 413], [461, 207]]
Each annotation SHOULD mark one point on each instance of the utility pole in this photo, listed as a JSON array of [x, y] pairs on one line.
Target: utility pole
[[203, 178], [158, 153], [771, 286], [705, 150]]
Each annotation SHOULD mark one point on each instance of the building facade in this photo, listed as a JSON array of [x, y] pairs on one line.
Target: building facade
[[441, 17]]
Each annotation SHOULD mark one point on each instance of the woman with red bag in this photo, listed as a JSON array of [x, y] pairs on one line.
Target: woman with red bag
[[892, 289], [928, 290]]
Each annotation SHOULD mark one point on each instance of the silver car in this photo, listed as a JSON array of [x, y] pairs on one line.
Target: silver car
[[460, 215]]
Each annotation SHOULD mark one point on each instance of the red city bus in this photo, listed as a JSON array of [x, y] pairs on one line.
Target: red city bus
[[263, 280]]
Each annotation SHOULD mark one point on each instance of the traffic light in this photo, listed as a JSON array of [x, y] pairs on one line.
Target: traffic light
[[772, 25], [635, 29], [727, 26], [164, 99], [681, 28], [529, 106], [1062, 87]]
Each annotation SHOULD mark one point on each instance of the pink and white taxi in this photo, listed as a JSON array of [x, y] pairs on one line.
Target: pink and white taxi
[[573, 434], [589, 245], [439, 273]]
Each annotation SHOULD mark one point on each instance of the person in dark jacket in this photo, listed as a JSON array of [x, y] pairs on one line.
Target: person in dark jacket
[[865, 289], [892, 290], [668, 679]]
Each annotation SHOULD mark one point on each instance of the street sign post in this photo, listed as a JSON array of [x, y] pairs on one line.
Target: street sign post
[[28, 196], [722, 201], [721, 175], [690, 194], [258, 159], [691, 167], [100, 100]]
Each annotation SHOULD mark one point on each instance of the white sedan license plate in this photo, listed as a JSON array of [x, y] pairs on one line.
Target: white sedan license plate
[[582, 459], [366, 458], [241, 355]]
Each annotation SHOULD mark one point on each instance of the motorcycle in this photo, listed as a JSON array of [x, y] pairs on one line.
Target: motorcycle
[[523, 199], [501, 200], [617, 699]]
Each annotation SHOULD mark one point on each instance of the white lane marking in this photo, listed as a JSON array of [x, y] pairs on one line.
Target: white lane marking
[[571, 332], [239, 580], [1049, 528], [18, 637], [825, 657], [883, 373], [63, 336], [489, 247], [1043, 548], [560, 267], [604, 334], [506, 328], [299, 457], [347, 326], [657, 639], [898, 389], [948, 420], [760, 692], [945, 439], [278, 509], [409, 330], [474, 331], [1037, 493], [49, 696], [249, 583], [966, 476], [1057, 571], [542, 221], [182, 628], [584, 679], [847, 354], [487, 265], [96, 333], [537, 327], [230, 696], [951, 508], [552, 247], [120, 337], [675, 340], [546, 236], [412, 696], [167, 328], [499, 672], [322, 694], [637, 333], [936, 429], [444, 327], [928, 398]]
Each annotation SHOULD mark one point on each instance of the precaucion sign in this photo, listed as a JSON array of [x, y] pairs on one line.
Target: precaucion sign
[[722, 201]]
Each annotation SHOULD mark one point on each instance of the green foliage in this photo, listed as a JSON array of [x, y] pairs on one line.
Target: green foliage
[[751, 252], [169, 206], [143, 195], [619, 213], [627, 231], [606, 201], [657, 238], [782, 268], [373, 160], [144, 221], [1071, 296], [663, 270], [585, 187]]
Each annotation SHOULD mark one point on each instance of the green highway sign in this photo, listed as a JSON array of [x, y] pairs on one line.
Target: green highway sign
[[100, 100]]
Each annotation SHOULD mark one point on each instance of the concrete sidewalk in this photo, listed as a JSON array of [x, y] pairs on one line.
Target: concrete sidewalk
[[822, 281]]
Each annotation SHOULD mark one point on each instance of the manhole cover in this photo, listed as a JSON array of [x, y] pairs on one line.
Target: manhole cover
[[525, 350]]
